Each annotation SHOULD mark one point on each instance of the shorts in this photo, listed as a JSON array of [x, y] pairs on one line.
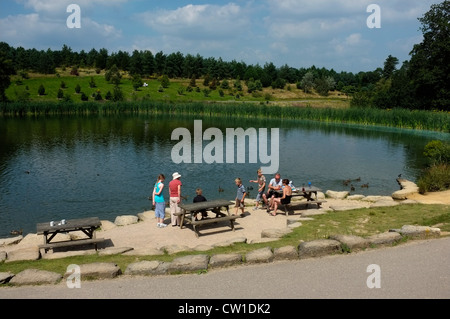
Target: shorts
[[160, 210], [259, 196], [239, 203], [273, 193]]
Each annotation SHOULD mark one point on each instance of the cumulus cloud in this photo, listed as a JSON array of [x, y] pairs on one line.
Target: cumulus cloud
[[197, 21]]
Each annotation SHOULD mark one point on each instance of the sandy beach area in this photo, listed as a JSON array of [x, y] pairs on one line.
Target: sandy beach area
[[145, 235]]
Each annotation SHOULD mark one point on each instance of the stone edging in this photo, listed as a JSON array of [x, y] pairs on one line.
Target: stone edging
[[336, 244]]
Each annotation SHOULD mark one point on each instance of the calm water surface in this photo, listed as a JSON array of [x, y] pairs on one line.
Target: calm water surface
[[72, 167]]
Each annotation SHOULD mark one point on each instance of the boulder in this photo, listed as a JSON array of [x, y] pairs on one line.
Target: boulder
[[35, 277], [30, 253], [318, 248], [263, 255], [174, 249], [107, 225], [126, 220], [3, 256], [419, 232], [98, 271], [382, 239], [355, 197], [225, 260], [5, 277], [146, 216], [408, 188], [71, 253], [351, 241], [337, 195], [146, 268], [189, 263], [285, 253], [10, 241]]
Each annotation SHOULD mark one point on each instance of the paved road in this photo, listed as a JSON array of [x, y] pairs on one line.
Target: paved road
[[417, 269]]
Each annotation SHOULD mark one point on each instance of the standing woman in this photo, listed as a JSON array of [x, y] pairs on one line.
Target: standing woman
[[159, 202], [175, 199]]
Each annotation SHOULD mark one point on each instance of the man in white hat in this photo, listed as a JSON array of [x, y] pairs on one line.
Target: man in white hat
[[175, 199]]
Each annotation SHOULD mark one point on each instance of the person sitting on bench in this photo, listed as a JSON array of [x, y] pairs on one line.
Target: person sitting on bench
[[284, 200], [198, 199]]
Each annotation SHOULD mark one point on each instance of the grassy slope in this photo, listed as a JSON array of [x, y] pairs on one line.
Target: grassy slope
[[52, 84]]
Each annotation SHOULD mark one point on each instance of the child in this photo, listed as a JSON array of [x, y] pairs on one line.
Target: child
[[261, 187], [158, 202], [200, 198], [240, 196]]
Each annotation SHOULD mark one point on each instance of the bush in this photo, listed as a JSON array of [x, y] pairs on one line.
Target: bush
[[63, 85], [438, 152], [84, 97], [435, 179], [41, 90], [108, 95], [60, 94], [78, 89]]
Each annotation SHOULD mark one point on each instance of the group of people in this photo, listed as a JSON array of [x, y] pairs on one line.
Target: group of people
[[279, 191]]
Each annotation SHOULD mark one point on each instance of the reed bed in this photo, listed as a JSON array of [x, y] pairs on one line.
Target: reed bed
[[400, 118]]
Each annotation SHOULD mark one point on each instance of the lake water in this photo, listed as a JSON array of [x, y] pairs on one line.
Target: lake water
[[71, 167]]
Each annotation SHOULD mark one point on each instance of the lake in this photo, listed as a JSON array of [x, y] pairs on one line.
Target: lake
[[54, 168]]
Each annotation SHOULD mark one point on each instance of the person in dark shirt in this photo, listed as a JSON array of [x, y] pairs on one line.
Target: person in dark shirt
[[200, 198]]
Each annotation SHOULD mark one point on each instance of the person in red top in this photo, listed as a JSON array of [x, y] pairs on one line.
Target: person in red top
[[175, 199]]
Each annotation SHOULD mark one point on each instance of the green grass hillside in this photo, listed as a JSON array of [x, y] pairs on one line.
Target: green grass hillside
[[27, 89]]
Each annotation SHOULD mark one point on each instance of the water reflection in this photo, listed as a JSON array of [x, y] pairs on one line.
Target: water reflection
[[70, 167]]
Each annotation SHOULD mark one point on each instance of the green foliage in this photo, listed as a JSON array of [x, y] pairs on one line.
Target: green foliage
[[92, 83], [117, 94], [279, 83], [435, 179], [60, 94], [113, 75], [84, 97], [438, 152], [63, 85], [192, 83], [6, 69], [108, 95], [78, 88], [307, 82], [41, 90], [165, 82], [137, 82]]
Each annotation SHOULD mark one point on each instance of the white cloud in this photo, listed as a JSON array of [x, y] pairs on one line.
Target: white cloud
[[32, 30], [197, 21]]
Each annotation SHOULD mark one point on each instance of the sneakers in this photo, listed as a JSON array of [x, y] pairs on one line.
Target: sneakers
[[161, 225], [255, 208]]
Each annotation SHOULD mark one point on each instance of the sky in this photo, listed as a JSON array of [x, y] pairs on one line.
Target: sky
[[334, 34]]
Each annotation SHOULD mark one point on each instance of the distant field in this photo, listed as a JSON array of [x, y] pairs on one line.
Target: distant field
[[176, 92]]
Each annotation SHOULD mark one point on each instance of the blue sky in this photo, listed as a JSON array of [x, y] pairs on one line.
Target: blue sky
[[325, 33]]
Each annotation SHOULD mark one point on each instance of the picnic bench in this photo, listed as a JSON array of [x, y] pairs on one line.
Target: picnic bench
[[306, 193], [189, 213], [85, 225]]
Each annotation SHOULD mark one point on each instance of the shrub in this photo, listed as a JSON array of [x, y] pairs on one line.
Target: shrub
[[84, 97], [78, 89], [92, 83], [438, 152], [41, 90], [435, 179], [63, 85], [60, 94], [108, 95]]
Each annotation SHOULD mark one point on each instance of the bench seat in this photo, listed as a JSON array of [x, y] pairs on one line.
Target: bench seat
[[214, 220], [69, 243], [290, 206]]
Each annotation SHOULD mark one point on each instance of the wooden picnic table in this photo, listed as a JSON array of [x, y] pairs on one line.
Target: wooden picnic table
[[309, 193], [218, 207], [85, 225]]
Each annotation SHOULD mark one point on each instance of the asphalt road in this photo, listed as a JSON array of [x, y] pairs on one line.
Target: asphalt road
[[414, 270]]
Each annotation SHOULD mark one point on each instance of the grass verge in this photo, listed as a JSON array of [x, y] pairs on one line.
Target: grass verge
[[360, 222]]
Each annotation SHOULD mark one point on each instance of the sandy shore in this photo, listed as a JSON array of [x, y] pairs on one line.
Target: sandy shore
[[145, 235]]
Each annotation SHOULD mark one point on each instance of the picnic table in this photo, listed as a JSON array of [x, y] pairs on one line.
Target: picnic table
[[85, 225], [309, 193], [219, 207]]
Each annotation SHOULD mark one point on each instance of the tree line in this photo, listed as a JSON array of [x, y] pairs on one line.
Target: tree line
[[420, 83]]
